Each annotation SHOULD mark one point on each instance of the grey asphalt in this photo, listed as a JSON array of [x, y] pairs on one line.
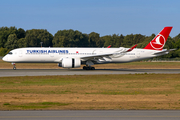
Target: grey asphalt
[[44, 72], [91, 114]]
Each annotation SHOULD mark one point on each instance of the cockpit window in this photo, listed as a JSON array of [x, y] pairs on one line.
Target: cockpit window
[[10, 53]]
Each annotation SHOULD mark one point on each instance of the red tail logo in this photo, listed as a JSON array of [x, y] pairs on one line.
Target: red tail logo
[[159, 41]]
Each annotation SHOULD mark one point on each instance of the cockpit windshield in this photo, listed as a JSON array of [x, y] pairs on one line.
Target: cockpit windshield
[[10, 53]]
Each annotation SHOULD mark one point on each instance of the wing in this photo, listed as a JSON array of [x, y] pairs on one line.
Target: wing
[[103, 56], [95, 57]]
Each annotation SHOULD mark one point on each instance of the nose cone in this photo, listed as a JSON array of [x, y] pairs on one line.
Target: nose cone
[[5, 58]]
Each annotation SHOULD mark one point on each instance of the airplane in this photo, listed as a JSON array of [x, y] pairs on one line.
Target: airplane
[[75, 57]]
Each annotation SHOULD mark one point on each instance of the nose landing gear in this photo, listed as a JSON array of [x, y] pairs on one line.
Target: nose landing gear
[[14, 66]]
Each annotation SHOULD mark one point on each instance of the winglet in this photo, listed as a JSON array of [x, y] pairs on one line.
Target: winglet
[[130, 49], [109, 46]]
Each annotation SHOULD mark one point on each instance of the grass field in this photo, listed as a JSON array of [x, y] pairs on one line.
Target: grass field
[[139, 91]]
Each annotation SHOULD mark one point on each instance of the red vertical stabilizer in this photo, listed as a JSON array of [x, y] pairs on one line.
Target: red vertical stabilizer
[[159, 41]]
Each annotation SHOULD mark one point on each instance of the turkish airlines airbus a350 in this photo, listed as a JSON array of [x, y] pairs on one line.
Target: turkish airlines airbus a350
[[74, 57]]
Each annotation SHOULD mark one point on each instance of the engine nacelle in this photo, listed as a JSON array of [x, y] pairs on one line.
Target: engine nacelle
[[70, 63]]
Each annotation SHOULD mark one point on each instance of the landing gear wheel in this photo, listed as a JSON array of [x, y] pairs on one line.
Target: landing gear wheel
[[84, 67], [92, 68], [88, 68], [14, 68]]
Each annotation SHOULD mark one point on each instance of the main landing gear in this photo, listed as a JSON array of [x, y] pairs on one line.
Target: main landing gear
[[14, 66], [88, 68]]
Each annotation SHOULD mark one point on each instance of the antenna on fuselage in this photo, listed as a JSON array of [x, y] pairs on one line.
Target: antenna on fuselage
[[41, 43]]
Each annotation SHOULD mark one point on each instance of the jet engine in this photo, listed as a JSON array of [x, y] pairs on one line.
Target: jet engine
[[70, 63]]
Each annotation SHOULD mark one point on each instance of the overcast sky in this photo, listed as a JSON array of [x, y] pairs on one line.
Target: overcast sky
[[105, 17]]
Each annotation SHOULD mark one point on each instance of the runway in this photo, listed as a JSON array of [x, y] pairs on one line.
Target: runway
[[89, 114], [44, 72]]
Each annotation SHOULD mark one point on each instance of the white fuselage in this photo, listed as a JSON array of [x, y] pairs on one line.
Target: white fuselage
[[55, 55]]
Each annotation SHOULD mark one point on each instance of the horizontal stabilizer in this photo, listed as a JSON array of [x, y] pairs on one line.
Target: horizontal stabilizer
[[164, 52]]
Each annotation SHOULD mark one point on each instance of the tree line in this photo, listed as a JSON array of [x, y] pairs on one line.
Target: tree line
[[11, 38]]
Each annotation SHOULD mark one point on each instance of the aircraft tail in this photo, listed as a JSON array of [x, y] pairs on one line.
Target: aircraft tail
[[159, 41]]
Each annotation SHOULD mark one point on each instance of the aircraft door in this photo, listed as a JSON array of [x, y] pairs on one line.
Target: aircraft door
[[20, 53], [138, 54]]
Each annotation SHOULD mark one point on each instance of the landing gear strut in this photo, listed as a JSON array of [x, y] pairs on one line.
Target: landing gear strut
[[88, 68], [14, 66]]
